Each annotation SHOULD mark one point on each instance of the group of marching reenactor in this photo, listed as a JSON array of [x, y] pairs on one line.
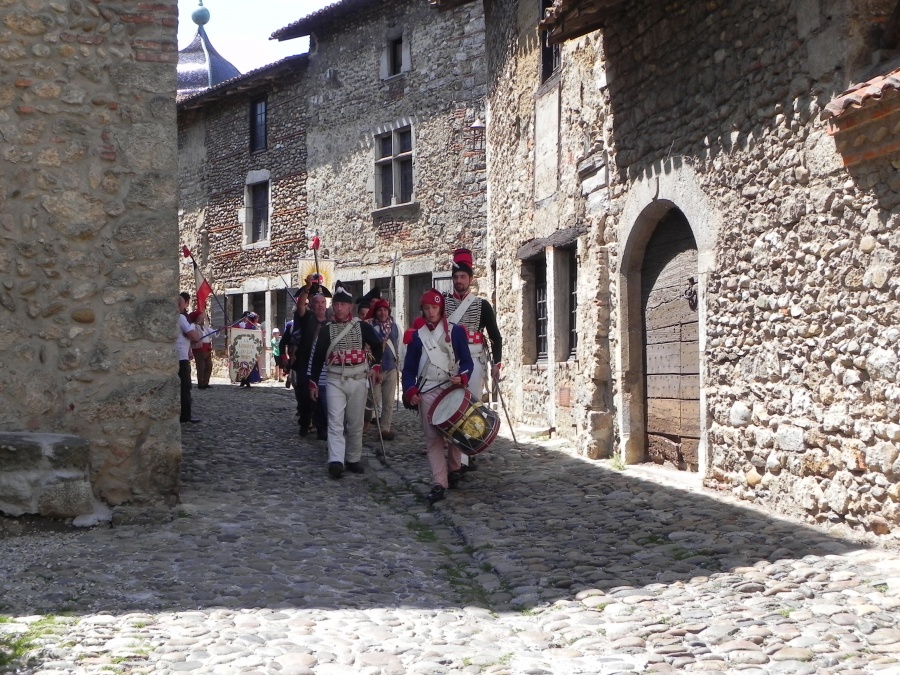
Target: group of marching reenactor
[[337, 361]]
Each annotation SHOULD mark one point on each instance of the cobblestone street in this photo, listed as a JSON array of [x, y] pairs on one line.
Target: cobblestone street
[[542, 562]]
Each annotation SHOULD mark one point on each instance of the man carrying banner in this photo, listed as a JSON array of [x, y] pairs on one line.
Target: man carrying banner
[[341, 351], [476, 316]]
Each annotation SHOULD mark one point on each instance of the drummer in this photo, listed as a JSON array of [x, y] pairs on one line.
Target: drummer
[[437, 357]]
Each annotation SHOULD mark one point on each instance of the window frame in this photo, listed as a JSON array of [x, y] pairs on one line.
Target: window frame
[[257, 231], [395, 56], [572, 298], [551, 55], [541, 310], [259, 122], [396, 59], [398, 166]]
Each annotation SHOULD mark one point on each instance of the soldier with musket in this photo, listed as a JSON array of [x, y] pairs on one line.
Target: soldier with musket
[[341, 351]]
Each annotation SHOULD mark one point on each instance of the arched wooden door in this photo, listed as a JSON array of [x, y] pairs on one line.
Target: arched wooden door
[[671, 347]]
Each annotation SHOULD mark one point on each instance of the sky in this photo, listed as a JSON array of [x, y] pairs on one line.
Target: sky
[[240, 29]]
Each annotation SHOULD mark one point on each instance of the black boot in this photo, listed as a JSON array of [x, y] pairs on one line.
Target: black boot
[[453, 480], [355, 467], [472, 465], [436, 494], [335, 469]]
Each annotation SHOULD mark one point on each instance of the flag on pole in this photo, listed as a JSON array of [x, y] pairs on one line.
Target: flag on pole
[[204, 290]]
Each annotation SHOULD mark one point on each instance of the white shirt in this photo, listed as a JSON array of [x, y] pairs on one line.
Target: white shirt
[[182, 341]]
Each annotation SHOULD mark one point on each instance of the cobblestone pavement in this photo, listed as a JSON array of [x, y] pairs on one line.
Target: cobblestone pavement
[[542, 562]]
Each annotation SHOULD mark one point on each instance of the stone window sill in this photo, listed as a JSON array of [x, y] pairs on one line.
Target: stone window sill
[[263, 243], [393, 78], [407, 209]]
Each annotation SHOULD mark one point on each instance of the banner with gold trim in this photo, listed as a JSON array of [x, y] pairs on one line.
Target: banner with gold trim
[[245, 350]]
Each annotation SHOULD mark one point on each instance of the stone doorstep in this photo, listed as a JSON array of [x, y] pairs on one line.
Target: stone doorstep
[[45, 474], [534, 432]]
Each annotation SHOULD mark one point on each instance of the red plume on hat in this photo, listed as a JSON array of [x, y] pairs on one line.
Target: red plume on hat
[[462, 261]]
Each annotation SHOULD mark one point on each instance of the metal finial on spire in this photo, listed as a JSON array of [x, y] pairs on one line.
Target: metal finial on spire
[[200, 16]]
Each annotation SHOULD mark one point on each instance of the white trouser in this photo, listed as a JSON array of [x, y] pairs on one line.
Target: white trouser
[[346, 398]]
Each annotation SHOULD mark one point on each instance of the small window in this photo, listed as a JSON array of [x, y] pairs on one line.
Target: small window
[[394, 167], [573, 302], [395, 56], [551, 57], [258, 212], [258, 114], [541, 316]]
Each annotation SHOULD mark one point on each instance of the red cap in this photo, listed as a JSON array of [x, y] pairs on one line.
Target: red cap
[[375, 306], [432, 297]]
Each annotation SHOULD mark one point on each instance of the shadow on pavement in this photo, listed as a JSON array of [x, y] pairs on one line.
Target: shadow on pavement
[[261, 525]]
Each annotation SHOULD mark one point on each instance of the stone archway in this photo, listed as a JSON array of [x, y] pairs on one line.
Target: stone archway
[[675, 188]]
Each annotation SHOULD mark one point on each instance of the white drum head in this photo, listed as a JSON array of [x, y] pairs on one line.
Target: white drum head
[[448, 405]]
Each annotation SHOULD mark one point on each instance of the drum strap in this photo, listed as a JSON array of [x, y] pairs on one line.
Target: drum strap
[[434, 351]]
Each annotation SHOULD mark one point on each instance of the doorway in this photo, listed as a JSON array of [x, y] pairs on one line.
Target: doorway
[[669, 310]]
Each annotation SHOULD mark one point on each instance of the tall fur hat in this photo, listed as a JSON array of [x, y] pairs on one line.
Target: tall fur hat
[[463, 262]]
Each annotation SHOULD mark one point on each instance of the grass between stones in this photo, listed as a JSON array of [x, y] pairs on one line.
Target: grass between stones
[[15, 648], [457, 573]]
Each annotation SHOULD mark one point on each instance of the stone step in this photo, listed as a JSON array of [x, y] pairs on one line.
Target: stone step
[[44, 474]]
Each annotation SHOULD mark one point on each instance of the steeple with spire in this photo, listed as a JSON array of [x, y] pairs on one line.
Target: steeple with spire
[[200, 66]]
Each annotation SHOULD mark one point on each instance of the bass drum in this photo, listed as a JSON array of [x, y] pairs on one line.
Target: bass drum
[[468, 424]]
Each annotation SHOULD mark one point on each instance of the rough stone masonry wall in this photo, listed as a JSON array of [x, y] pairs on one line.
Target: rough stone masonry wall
[[571, 395], [87, 234], [441, 95], [214, 161], [802, 347]]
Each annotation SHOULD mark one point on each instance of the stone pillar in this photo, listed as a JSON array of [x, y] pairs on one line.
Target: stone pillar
[[267, 339], [88, 252]]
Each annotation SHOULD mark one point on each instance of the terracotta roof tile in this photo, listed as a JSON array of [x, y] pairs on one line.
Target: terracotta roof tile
[[328, 16], [862, 94]]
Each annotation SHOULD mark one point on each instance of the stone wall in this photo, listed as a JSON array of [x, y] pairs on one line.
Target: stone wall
[[214, 164], [87, 233], [440, 96], [325, 114], [570, 395], [713, 108]]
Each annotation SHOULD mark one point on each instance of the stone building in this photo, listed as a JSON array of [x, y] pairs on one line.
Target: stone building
[[374, 140], [396, 166], [241, 178], [695, 231], [87, 232]]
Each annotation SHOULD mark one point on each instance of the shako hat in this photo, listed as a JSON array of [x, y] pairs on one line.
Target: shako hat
[[462, 261], [373, 294], [341, 294]]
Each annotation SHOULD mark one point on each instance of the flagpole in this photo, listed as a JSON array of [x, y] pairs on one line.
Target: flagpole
[[187, 253], [316, 242]]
